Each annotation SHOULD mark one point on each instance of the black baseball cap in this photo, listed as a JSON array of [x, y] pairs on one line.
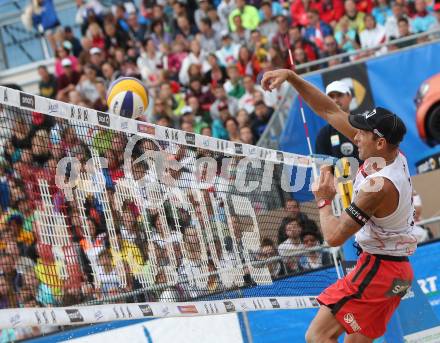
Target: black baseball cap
[[382, 122]]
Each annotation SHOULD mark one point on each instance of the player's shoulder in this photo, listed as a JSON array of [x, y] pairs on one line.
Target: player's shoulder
[[378, 186]]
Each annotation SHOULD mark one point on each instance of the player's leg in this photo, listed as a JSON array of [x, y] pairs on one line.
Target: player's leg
[[324, 328], [357, 338]]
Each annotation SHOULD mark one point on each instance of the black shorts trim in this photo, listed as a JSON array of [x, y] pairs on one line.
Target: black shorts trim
[[361, 269], [365, 282], [393, 258]]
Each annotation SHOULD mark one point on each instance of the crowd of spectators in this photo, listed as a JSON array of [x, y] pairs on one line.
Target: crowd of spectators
[[203, 60]]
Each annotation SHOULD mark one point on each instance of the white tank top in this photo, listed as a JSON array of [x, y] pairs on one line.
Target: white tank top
[[393, 234]]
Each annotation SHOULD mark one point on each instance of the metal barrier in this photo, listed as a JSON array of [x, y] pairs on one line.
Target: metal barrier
[[429, 221]]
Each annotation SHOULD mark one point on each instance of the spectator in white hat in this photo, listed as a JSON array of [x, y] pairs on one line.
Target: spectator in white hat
[[68, 80], [62, 52], [330, 141]]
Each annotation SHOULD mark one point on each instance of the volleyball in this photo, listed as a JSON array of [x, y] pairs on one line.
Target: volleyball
[[127, 97]]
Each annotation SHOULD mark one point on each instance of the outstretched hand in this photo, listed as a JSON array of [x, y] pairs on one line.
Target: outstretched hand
[[274, 78]]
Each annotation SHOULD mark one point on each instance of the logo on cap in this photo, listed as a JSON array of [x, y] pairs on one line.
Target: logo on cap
[[372, 113]]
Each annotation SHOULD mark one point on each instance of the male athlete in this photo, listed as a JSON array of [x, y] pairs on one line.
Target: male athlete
[[381, 216]]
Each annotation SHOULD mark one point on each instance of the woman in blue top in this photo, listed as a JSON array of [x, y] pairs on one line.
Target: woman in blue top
[[381, 11]]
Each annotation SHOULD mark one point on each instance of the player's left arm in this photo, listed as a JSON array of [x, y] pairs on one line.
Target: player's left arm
[[337, 230]]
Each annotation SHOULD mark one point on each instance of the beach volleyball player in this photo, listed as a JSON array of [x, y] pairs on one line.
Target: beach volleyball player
[[380, 215]]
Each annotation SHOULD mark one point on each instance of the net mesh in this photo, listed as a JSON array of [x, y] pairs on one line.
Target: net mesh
[[98, 209]]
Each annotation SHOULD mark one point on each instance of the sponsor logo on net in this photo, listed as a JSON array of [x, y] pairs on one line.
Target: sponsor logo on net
[[5, 95], [238, 148], [74, 315], [172, 135], [258, 304], [190, 138], [314, 302], [99, 315], [274, 303], [27, 100], [211, 308], [187, 309], [146, 310], [222, 145], [15, 319], [78, 113], [229, 306], [165, 311], [45, 317], [145, 128], [350, 320], [280, 156], [206, 142], [124, 124], [53, 108], [103, 118], [300, 303], [122, 312]]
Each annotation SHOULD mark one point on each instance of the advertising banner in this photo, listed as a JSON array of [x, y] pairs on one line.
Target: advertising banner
[[390, 81]]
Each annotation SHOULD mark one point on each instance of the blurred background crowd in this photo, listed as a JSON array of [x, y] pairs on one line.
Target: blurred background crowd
[[203, 60]]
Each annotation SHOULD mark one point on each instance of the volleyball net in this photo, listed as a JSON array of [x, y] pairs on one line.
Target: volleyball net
[[106, 218]]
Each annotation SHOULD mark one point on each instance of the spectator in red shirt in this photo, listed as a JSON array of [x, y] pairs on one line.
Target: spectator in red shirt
[[298, 11], [113, 169], [365, 6], [330, 11]]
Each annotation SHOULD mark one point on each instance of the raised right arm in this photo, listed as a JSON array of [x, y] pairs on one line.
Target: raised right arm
[[320, 103]]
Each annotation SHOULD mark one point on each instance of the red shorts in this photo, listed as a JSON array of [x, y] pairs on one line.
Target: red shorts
[[364, 300]]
